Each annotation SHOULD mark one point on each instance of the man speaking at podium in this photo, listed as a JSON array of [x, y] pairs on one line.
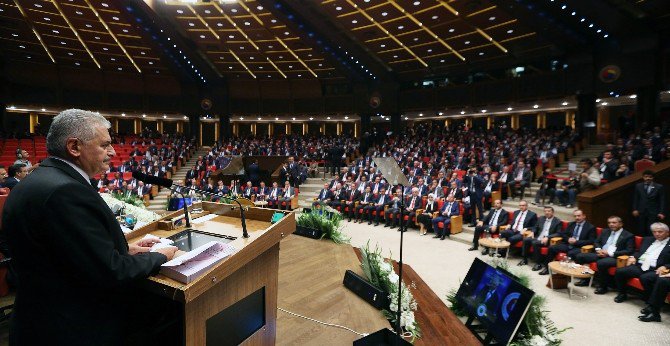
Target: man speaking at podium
[[75, 269]]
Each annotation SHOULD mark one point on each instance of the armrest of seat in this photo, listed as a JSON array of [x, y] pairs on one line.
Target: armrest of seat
[[419, 212], [622, 261], [503, 227], [456, 224], [587, 248], [555, 240]]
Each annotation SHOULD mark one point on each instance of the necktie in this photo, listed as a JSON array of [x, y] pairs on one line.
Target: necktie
[[648, 188], [578, 231], [494, 219], [518, 220], [365, 200], [411, 205]]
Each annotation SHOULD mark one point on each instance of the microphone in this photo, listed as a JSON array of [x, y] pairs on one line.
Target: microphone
[[150, 179]]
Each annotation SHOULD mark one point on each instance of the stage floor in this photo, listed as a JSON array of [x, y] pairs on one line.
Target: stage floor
[[310, 284]]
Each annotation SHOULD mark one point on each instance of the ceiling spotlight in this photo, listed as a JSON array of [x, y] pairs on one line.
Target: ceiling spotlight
[[420, 114], [604, 103], [144, 115], [328, 118], [259, 118], [509, 108], [164, 116], [276, 118], [310, 118], [123, 114], [44, 110], [632, 96], [346, 118], [483, 110], [293, 118], [440, 113], [536, 106], [597, 100], [564, 104], [462, 112], [406, 118]]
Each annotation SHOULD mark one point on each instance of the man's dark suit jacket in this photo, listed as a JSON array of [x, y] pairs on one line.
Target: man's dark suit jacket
[[502, 218], [554, 229], [528, 223], [625, 245], [10, 183], [74, 271], [587, 235], [653, 202], [663, 257]]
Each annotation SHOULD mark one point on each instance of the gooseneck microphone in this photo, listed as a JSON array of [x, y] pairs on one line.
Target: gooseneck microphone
[[153, 180]]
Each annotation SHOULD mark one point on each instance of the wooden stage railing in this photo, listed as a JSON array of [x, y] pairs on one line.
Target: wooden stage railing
[[616, 198]]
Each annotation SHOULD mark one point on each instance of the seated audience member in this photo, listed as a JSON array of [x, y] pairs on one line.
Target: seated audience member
[[653, 253], [248, 190], [338, 195], [234, 189], [579, 233], [3, 175], [547, 189], [652, 312], [496, 217], [413, 203], [547, 227], [17, 172], [490, 186], [220, 191], [274, 195], [613, 242], [520, 179], [425, 219], [450, 208], [263, 192], [325, 195], [589, 179], [287, 195], [523, 220], [352, 194], [382, 201], [365, 202], [566, 194], [22, 157], [436, 190], [392, 213], [142, 189]]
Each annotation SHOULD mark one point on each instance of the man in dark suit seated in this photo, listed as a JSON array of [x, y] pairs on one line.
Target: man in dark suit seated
[[391, 216], [523, 220], [653, 252], [578, 233], [382, 201], [496, 217], [546, 228], [613, 242], [449, 208], [16, 173], [365, 202], [76, 271], [652, 312], [648, 202], [274, 195], [325, 195], [413, 203]]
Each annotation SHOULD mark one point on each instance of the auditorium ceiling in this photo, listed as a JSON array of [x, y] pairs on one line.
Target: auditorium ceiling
[[355, 40]]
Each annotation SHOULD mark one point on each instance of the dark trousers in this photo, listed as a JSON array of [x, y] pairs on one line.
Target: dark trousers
[[511, 236], [350, 211], [479, 230], [446, 223], [658, 294], [602, 276], [647, 278], [644, 221], [476, 202], [536, 244], [555, 249], [410, 214], [391, 216], [378, 209]]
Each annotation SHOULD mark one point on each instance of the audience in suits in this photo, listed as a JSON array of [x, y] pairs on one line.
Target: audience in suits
[[496, 218], [578, 233], [547, 227], [523, 220], [16, 173]]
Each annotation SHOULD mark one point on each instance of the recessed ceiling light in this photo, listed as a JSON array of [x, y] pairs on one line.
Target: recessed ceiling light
[[120, 69], [354, 21], [202, 36], [420, 114], [597, 100], [76, 63], [509, 108], [536, 106], [481, 53], [417, 3], [462, 112], [97, 37], [44, 110], [63, 42], [231, 36], [78, 12], [234, 10], [144, 115], [104, 5], [384, 14], [164, 116], [310, 118], [70, 53], [452, 30], [123, 114], [395, 56], [510, 31], [483, 110], [208, 11], [429, 51], [400, 27], [259, 118], [338, 8], [180, 11], [55, 31], [416, 39], [492, 18], [191, 24], [276, 118], [632, 96], [328, 118], [435, 17], [105, 48], [604, 103], [22, 47], [441, 60], [260, 8], [564, 103], [273, 21], [247, 23], [241, 118], [38, 5], [346, 118]]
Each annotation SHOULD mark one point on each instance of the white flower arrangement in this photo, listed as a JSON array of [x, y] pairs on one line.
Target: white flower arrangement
[[381, 275], [142, 215]]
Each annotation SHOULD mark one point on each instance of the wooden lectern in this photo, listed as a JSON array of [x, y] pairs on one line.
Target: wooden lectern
[[233, 290]]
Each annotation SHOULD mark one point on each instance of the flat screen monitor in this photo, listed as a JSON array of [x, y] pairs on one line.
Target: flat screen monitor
[[190, 239], [495, 299]]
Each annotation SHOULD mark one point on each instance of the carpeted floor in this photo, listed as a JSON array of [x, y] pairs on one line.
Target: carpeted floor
[[596, 320]]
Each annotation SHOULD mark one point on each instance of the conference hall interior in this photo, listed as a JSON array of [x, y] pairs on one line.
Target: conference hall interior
[[435, 172]]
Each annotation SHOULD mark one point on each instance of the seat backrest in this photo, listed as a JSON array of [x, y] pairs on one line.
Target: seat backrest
[[599, 230], [638, 242], [564, 225], [643, 164], [3, 199]]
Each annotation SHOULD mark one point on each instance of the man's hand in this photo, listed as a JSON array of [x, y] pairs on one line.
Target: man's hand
[[631, 261], [147, 242], [602, 253], [134, 249], [544, 240], [168, 251], [660, 216], [480, 223], [636, 213], [572, 240], [660, 270]]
